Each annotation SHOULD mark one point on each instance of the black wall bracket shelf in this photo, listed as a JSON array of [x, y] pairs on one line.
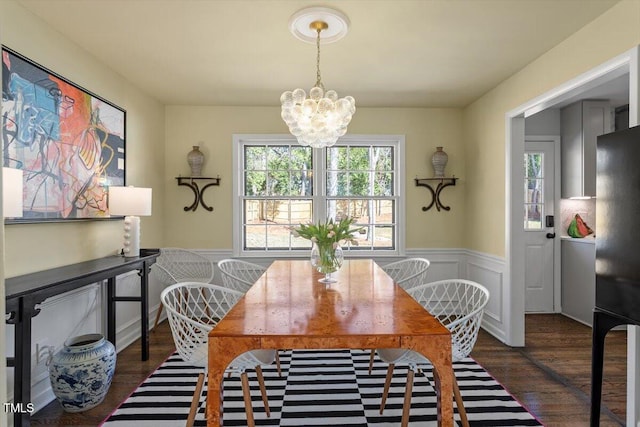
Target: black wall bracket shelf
[[435, 186], [192, 183]]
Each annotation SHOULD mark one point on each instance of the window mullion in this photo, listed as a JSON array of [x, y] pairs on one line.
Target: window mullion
[[320, 184]]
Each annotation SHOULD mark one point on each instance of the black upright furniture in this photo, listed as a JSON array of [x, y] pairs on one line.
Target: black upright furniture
[[617, 245], [23, 293]]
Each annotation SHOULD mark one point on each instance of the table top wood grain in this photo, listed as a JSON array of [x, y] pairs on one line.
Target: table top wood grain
[[288, 308]]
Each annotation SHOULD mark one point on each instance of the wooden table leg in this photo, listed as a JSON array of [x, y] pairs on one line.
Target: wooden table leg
[[222, 351], [437, 349]]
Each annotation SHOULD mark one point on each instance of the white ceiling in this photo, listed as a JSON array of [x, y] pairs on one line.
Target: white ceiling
[[409, 53]]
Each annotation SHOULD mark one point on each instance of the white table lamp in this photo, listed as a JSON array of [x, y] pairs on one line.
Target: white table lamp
[[132, 202], [12, 203]]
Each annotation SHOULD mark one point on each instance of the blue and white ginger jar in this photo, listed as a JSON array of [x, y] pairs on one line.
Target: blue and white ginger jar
[[81, 372]]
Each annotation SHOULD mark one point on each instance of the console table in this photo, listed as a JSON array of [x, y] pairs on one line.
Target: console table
[[24, 293]]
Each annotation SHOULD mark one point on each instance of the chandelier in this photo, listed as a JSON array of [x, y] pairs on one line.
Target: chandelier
[[319, 118]]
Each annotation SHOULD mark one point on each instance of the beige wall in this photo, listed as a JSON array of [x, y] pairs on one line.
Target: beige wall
[[476, 220], [39, 246], [611, 34], [213, 127]]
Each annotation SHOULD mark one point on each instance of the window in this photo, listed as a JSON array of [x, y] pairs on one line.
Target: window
[[281, 184], [533, 191]]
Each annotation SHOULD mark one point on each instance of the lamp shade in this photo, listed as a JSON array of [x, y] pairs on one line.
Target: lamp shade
[[12, 204], [132, 201]]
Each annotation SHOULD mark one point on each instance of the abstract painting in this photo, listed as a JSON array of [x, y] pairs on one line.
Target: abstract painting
[[69, 142]]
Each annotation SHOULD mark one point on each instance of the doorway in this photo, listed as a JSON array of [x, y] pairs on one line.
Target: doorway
[[540, 237], [586, 85], [627, 64]]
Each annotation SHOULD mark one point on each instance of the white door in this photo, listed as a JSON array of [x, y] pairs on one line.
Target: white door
[[539, 196]]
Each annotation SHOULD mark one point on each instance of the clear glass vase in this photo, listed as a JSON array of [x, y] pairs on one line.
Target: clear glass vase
[[327, 259]]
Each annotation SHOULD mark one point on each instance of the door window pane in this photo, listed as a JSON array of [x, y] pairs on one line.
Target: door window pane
[[533, 191]]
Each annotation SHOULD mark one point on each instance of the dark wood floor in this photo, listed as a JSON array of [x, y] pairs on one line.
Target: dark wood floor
[[550, 375]]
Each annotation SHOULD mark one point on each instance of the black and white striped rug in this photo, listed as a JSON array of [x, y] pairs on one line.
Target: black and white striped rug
[[320, 388]]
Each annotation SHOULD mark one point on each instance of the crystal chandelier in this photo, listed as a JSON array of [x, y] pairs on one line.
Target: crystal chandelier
[[319, 119]]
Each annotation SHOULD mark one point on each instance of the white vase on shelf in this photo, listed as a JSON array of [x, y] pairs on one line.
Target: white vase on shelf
[[195, 158], [439, 161]]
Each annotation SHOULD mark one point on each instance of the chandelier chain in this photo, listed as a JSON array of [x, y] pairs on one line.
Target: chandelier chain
[[318, 78]]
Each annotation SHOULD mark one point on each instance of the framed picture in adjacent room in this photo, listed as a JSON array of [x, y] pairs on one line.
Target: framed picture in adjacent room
[[69, 142]]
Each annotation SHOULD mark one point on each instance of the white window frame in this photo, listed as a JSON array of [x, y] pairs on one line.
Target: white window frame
[[240, 140]]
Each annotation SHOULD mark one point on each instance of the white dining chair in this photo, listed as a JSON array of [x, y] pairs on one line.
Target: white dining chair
[[406, 273], [458, 305], [239, 275], [194, 309], [175, 265]]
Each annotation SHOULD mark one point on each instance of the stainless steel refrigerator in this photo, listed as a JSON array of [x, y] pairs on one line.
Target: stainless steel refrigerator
[[617, 245]]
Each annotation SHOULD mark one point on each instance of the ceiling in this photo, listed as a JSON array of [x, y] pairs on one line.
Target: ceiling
[[398, 53]]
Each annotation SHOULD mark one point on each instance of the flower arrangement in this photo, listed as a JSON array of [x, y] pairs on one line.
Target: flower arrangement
[[328, 233], [326, 255]]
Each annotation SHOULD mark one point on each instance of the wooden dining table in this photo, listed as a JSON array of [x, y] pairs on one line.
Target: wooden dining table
[[287, 308]]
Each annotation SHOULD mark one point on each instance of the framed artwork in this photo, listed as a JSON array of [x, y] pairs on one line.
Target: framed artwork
[[69, 142]]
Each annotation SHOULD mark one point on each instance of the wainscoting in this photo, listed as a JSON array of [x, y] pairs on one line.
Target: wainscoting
[[487, 270]]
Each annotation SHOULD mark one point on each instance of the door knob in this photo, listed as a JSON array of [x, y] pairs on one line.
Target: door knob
[[551, 235]]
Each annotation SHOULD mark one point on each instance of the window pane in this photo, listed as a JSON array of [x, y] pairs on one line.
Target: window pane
[[533, 165], [252, 211], [336, 158], [384, 158], [358, 184], [278, 211], [383, 185], [278, 236], [255, 236], [358, 158], [269, 222], [359, 209], [336, 183], [289, 171], [262, 211], [375, 216], [300, 243], [278, 183], [534, 191], [337, 208], [255, 183], [301, 158], [254, 158], [383, 237], [383, 211], [533, 216], [301, 211], [278, 157], [301, 184]]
